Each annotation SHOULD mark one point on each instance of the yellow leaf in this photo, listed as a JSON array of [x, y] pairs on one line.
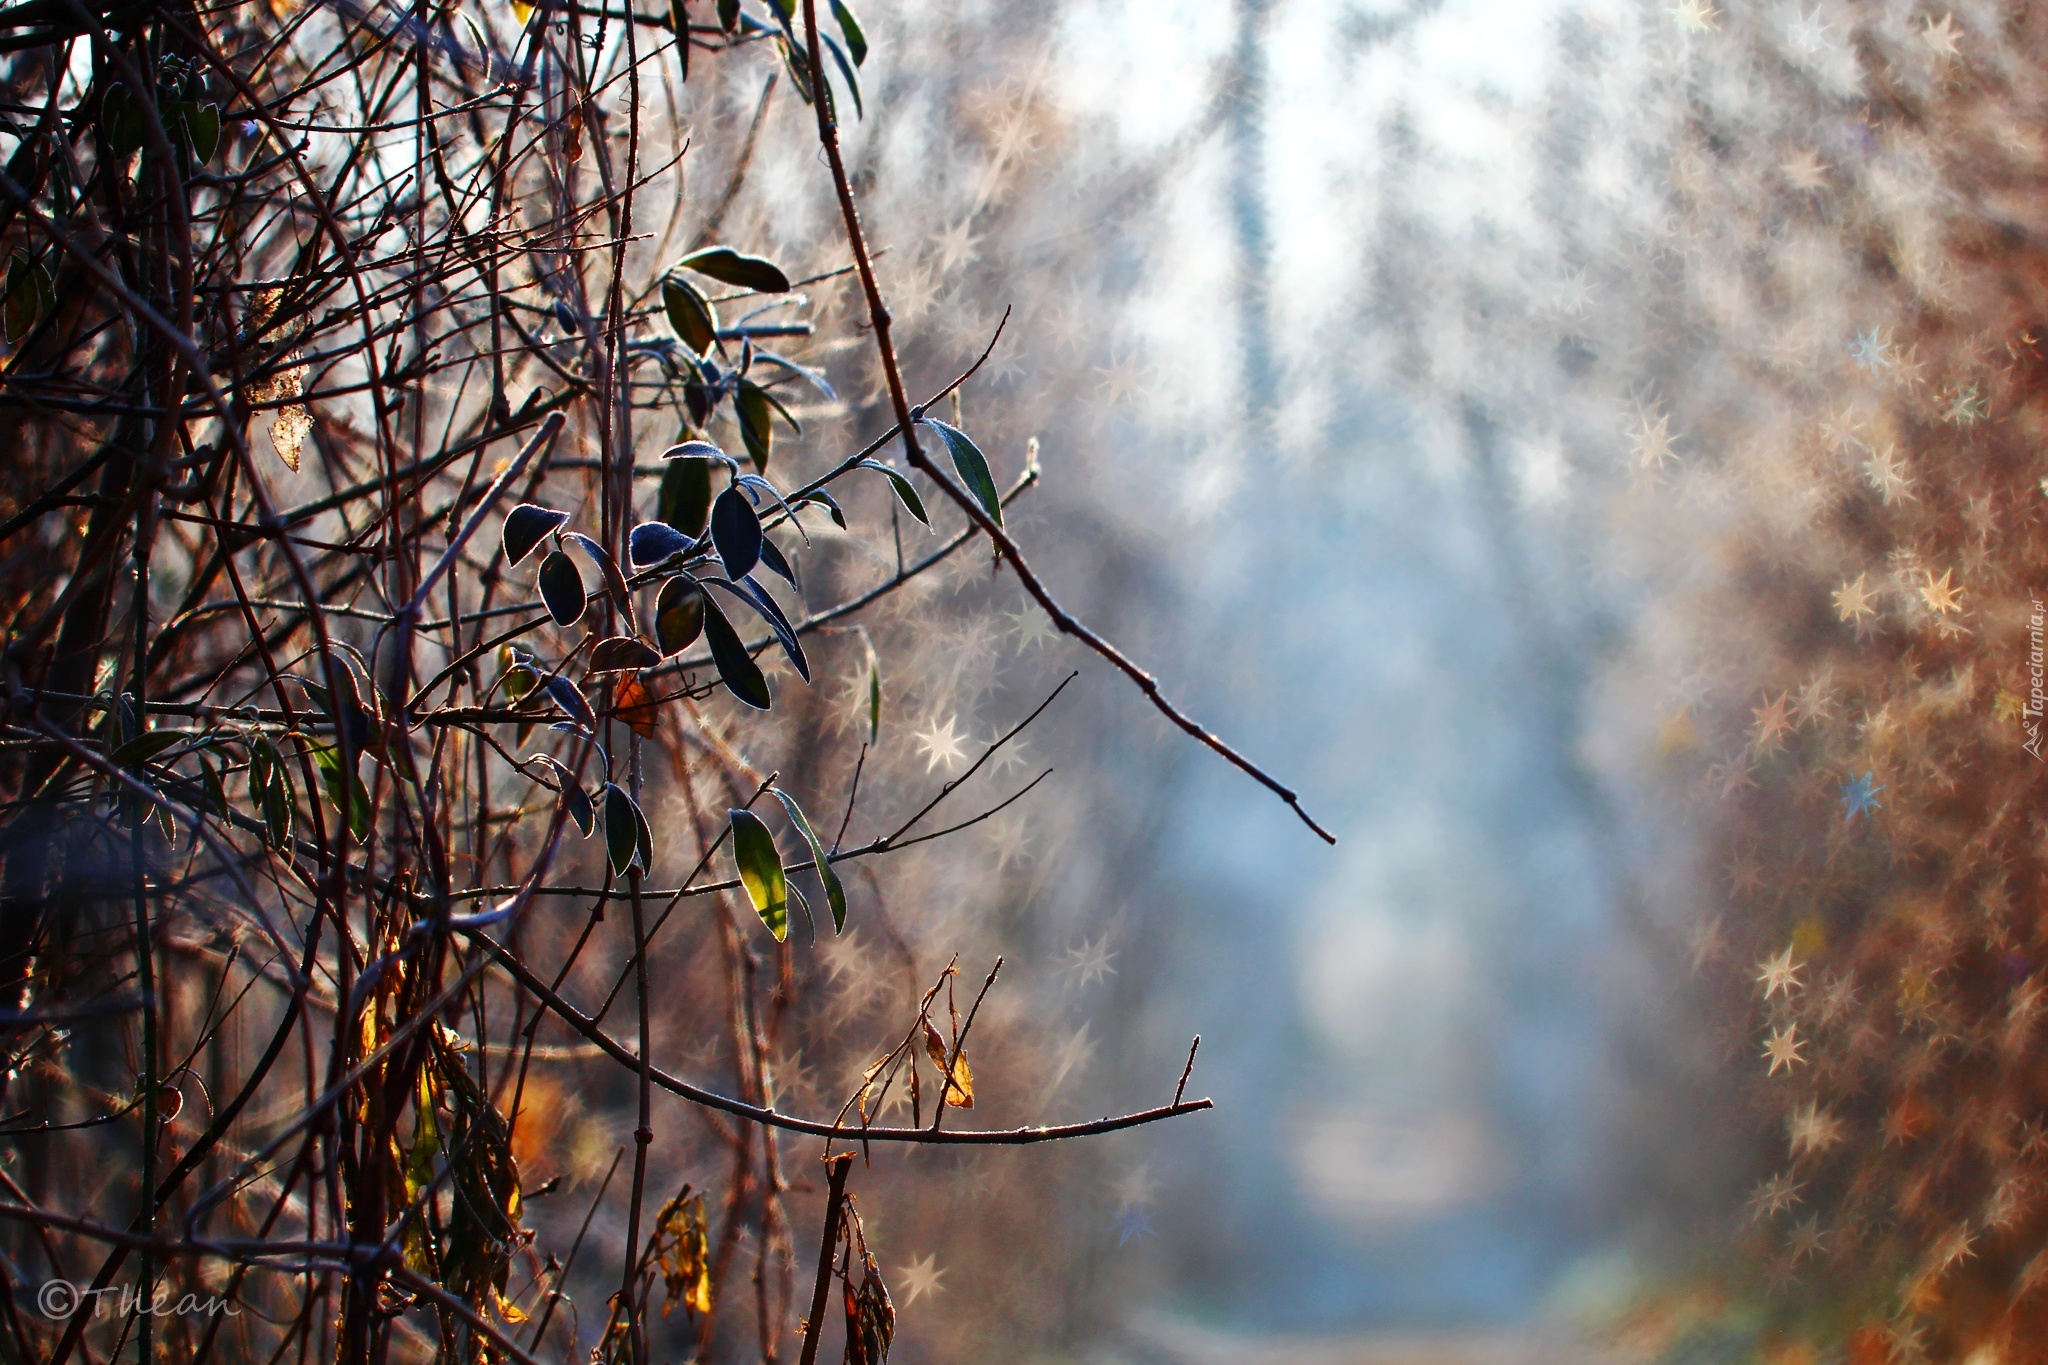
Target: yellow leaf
[[683, 1250], [960, 1094], [288, 433], [288, 429]]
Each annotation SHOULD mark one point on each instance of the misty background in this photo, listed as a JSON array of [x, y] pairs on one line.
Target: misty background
[[1343, 309]]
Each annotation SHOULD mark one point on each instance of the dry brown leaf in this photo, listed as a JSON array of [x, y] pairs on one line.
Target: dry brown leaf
[[288, 433], [634, 702], [682, 1247], [288, 430], [960, 1094]]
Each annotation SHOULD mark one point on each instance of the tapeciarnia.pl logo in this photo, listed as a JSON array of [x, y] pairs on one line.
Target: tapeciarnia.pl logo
[[2037, 693]]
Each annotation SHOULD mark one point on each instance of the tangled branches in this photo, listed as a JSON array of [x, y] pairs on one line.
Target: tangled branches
[[304, 304]]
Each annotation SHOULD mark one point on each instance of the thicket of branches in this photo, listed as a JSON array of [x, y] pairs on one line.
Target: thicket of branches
[[413, 543]]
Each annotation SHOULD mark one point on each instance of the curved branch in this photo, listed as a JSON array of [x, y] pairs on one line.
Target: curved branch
[[624, 1056]]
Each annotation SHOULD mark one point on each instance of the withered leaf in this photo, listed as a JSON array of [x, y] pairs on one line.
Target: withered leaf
[[288, 433], [682, 1250], [634, 702], [960, 1094], [870, 1319]]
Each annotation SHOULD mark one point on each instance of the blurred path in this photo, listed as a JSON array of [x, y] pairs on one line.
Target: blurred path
[[1163, 1341]]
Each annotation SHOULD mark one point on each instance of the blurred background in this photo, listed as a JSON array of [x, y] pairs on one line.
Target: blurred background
[[1447, 398], [1303, 291], [1590, 449]]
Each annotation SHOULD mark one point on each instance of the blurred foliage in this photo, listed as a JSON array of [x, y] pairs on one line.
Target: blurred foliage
[[1834, 496]]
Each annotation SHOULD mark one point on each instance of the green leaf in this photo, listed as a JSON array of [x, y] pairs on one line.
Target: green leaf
[[846, 73], [686, 494], [757, 426], [678, 615], [121, 122], [689, 313], [148, 745], [736, 532], [580, 809], [798, 64], [526, 526], [270, 792], [215, 796], [620, 653], [760, 866], [656, 542], [561, 588], [778, 563], [426, 1139], [874, 689], [756, 597], [973, 467], [29, 296], [344, 790], [775, 405], [608, 568], [202, 125], [573, 796], [728, 14], [518, 680], [621, 828], [856, 40], [570, 698], [738, 269], [803, 903], [821, 498], [736, 668], [356, 722], [907, 494], [834, 892]]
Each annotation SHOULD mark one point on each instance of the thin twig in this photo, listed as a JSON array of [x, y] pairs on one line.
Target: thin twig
[[828, 1248], [906, 421]]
